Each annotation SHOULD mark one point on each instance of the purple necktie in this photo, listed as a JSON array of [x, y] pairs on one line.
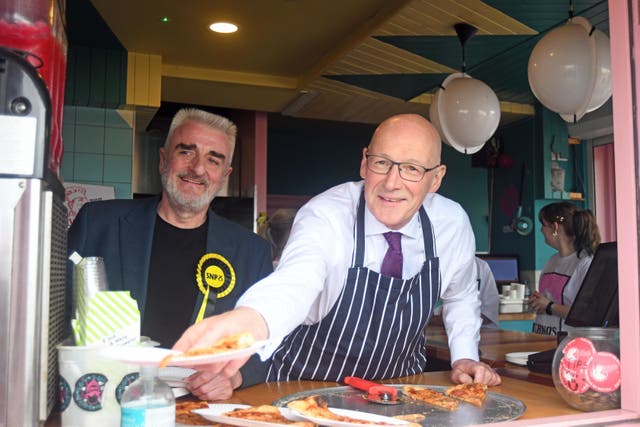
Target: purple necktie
[[392, 262]]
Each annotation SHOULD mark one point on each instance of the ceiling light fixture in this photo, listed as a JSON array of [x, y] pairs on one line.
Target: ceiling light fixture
[[465, 110], [570, 69], [223, 27]]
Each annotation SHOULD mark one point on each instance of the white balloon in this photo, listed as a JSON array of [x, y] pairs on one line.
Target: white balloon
[[603, 87], [569, 69], [466, 112]]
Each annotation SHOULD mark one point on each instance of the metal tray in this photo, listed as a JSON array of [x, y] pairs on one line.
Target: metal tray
[[496, 408]]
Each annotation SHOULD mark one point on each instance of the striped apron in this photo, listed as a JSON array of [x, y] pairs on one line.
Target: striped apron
[[375, 329]]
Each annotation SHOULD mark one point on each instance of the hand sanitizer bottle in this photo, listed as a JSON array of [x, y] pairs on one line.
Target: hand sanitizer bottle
[[148, 402]]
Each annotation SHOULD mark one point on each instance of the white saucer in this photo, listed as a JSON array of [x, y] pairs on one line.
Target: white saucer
[[518, 358]]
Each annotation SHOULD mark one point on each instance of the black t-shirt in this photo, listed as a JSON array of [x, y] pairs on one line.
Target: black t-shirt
[[172, 290]]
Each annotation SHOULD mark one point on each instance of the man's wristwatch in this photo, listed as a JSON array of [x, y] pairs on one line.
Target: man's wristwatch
[[548, 309]]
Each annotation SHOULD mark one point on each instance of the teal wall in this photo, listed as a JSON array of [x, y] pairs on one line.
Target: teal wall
[[530, 144], [517, 141], [468, 186], [97, 148]]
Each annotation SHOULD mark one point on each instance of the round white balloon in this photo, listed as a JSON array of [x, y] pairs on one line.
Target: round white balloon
[[569, 69], [466, 112]]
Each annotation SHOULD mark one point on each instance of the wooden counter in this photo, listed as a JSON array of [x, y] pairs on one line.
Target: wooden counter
[[516, 316], [494, 344]]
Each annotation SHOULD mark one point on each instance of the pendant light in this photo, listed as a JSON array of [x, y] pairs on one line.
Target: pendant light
[[569, 69], [465, 110]]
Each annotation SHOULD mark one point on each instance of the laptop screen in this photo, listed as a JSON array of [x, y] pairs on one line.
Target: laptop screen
[[505, 268]]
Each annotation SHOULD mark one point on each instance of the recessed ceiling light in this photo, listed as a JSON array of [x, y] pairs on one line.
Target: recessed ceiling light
[[223, 27]]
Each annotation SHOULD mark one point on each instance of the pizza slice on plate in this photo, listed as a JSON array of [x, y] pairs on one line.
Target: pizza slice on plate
[[473, 393], [265, 413], [431, 397], [230, 343], [316, 407]]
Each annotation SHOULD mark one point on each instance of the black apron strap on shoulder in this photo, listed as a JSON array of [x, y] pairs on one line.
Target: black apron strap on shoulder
[[427, 233], [358, 230]]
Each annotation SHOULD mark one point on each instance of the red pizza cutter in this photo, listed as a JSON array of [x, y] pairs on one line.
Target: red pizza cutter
[[376, 393]]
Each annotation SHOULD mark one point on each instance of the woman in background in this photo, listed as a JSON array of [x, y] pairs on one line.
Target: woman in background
[[574, 234]]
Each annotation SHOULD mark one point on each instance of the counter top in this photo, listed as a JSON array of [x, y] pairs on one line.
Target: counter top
[[494, 344]]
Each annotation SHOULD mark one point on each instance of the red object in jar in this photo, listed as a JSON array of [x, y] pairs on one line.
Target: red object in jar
[[603, 372], [573, 375], [579, 349]]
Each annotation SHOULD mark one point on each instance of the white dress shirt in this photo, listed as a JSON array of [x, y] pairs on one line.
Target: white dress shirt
[[489, 297], [314, 264]]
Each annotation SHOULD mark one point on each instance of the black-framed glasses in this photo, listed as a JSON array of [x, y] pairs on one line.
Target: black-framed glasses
[[408, 171]]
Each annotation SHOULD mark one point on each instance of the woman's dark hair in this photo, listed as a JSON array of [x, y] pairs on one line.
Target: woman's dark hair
[[578, 223]]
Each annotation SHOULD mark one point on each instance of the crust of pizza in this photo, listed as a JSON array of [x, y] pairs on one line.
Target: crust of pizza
[[185, 416], [230, 343], [432, 397], [265, 413], [316, 407], [473, 393]]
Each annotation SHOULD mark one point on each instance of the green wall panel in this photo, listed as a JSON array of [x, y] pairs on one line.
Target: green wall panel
[[96, 77], [468, 186]]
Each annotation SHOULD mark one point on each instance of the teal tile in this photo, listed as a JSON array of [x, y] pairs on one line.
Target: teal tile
[[89, 139], [114, 119], [117, 168], [90, 116], [66, 168], [118, 141], [69, 114], [122, 190], [69, 137], [87, 167]]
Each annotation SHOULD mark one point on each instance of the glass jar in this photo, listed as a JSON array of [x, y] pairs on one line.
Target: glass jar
[[586, 368]]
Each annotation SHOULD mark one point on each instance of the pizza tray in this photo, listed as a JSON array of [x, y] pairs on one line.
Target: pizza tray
[[496, 408]]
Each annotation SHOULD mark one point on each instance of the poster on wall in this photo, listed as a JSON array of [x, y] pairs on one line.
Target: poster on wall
[[77, 194]]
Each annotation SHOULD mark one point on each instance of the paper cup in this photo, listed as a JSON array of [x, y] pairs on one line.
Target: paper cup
[[513, 294], [91, 386], [519, 290], [505, 290]]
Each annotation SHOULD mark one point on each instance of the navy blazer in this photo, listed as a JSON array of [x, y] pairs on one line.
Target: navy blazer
[[121, 232]]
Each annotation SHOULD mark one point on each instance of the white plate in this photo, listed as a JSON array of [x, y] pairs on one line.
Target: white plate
[[352, 414], [179, 392], [519, 358], [137, 355], [216, 410], [216, 357], [174, 376]]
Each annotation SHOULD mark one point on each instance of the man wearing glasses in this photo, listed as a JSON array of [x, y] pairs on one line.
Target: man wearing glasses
[[364, 266]]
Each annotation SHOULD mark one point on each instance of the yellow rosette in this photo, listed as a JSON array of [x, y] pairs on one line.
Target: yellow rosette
[[214, 271]]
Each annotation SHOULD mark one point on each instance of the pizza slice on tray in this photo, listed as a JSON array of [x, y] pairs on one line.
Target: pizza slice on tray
[[473, 393], [431, 397]]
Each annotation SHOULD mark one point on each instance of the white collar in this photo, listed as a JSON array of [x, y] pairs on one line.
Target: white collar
[[372, 226]]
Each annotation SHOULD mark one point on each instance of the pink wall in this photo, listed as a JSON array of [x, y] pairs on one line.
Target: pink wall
[[604, 179]]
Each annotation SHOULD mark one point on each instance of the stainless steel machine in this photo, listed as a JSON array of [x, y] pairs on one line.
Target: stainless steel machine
[[32, 248]]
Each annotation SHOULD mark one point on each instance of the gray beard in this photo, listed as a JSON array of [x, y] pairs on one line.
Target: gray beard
[[189, 204]]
